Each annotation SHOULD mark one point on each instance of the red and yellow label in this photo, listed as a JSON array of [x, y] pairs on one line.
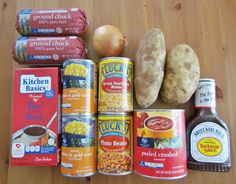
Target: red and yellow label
[[78, 161], [210, 146]]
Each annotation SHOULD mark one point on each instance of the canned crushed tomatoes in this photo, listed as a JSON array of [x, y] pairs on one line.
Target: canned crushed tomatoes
[[160, 143], [115, 85], [115, 143]]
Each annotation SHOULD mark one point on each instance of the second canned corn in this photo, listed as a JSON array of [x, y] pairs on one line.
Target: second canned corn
[[78, 150], [115, 92]]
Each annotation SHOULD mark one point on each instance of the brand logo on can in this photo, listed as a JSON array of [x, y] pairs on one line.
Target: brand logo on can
[[114, 126], [116, 69], [116, 77], [114, 135]]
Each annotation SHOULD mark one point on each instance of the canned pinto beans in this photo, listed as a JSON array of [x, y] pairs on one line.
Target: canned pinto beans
[[160, 143], [78, 151], [79, 87], [115, 143], [115, 85]]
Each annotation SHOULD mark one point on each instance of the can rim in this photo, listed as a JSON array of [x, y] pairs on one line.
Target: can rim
[[116, 58], [76, 115], [78, 176], [76, 60], [161, 178], [114, 113], [115, 174], [157, 110]]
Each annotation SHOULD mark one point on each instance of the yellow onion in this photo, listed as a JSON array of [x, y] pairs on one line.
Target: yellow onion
[[108, 40]]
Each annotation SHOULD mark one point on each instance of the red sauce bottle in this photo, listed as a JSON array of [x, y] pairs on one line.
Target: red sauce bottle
[[208, 140]]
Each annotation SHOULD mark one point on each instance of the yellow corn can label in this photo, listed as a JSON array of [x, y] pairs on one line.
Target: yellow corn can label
[[115, 85], [115, 143]]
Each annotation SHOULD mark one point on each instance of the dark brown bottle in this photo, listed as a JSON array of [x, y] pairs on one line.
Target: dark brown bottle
[[208, 140]]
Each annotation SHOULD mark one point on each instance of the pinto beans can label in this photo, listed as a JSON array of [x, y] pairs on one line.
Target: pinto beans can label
[[160, 143], [115, 143], [39, 22], [79, 87], [36, 117], [78, 151], [115, 92], [47, 50]]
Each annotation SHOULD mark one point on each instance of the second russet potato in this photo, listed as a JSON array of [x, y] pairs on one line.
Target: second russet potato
[[181, 71], [182, 75]]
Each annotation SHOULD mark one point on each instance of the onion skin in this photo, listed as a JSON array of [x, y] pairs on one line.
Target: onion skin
[[108, 40]]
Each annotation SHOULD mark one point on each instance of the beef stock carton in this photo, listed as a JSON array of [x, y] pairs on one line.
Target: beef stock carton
[[36, 117]]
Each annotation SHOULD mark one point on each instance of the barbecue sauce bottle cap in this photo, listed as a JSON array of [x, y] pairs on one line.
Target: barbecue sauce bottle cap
[[208, 140]]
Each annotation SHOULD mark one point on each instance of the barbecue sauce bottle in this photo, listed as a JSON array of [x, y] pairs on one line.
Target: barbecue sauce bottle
[[208, 141]]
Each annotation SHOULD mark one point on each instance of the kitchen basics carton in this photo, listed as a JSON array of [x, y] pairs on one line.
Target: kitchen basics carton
[[36, 117]]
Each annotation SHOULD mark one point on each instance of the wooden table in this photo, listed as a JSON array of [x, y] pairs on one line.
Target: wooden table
[[207, 25]]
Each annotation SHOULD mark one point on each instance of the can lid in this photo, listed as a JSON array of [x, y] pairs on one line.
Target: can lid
[[68, 61], [157, 110], [78, 115], [114, 113], [116, 58]]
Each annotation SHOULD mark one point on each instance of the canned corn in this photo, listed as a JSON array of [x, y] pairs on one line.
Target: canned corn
[[115, 143], [78, 151], [115, 85], [79, 87]]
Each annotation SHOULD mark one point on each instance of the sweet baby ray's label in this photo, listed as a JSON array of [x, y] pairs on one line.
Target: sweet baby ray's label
[[209, 143], [78, 161]]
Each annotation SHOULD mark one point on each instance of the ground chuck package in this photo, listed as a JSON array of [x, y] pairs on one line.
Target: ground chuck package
[[37, 22], [47, 50]]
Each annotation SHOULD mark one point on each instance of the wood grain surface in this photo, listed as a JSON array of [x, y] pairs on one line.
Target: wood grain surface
[[209, 26]]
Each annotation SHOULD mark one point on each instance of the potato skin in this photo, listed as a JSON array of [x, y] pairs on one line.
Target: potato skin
[[149, 67], [182, 75]]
